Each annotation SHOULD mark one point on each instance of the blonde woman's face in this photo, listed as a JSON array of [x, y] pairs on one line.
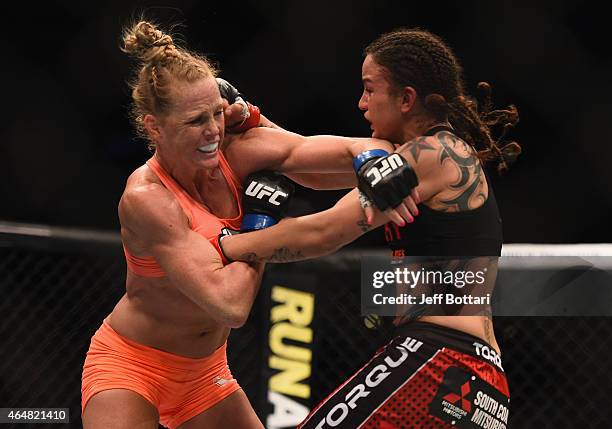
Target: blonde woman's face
[[193, 130]]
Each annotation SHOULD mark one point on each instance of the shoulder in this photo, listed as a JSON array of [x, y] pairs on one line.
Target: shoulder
[[422, 153], [141, 186], [147, 207], [452, 169], [429, 153], [447, 168], [454, 147]]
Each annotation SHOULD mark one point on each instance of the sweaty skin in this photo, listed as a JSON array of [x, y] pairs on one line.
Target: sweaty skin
[[184, 300], [450, 179], [190, 311], [441, 179]]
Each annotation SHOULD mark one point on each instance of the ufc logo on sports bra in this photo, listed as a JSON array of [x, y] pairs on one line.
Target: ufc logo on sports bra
[[260, 191], [386, 166]]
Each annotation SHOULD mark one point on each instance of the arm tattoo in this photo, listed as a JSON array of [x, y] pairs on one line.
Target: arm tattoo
[[285, 254], [468, 166], [363, 225], [282, 254], [248, 257]]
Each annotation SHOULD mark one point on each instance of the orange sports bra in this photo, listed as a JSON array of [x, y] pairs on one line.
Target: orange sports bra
[[201, 220]]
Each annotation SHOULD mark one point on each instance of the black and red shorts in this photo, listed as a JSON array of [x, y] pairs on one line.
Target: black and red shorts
[[427, 377]]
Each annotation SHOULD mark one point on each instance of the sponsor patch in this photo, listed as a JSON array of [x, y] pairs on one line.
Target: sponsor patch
[[466, 401]]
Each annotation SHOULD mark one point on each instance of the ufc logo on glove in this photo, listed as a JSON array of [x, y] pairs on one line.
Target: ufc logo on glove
[[259, 191], [387, 165]]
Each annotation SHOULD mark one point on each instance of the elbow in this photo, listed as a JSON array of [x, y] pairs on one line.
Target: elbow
[[231, 313], [238, 300], [236, 320], [225, 318], [231, 318], [327, 239]]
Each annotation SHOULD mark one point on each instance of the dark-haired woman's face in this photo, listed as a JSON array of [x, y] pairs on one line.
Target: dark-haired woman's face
[[380, 103]]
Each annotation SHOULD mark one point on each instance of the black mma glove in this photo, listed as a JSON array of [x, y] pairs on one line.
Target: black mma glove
[[229, 92], [250, 113], [265, 200], [385, 179]]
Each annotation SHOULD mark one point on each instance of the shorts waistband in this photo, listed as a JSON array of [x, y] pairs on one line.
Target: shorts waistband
[[112, 339], [442, 336]]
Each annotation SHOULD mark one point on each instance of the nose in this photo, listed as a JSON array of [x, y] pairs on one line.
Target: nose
[[212, 131], [363, 104]]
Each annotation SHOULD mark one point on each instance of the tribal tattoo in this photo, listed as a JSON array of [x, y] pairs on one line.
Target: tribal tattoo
[[469, 166], [418, 145]]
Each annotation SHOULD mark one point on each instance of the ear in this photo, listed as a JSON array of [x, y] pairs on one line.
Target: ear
[[409, 97], [151, 124]]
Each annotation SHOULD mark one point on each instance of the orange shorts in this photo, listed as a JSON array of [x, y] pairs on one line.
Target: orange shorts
[[179, 387]]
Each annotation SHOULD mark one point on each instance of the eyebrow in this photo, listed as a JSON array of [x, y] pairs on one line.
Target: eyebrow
[[196, 116]]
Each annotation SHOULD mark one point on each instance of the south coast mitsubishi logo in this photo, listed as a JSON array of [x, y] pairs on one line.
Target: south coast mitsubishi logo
[[465, 401]]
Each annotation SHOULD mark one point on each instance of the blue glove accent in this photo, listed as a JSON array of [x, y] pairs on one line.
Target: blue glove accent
[[255, 221], [363, 157]]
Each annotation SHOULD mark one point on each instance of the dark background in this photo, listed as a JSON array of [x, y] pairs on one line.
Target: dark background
[[67, 146], [66, 149]]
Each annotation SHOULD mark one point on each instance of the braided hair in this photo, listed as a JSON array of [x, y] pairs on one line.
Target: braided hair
[[420, 59], [161, 64]]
